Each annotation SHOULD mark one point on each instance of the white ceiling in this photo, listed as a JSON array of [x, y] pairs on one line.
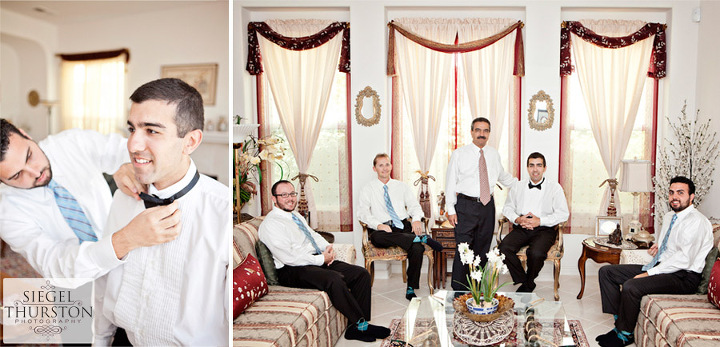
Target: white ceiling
[[64, 12]]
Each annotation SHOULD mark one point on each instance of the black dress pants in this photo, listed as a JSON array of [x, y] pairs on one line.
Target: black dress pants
[[625, 303], [475, 226], [402, 238], [348, 286], [539, 240]]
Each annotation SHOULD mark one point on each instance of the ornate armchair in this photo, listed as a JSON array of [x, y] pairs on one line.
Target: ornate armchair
[[371, 254], [554, 255]]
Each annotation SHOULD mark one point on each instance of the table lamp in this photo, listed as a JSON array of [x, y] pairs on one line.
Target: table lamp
[[635, 179]]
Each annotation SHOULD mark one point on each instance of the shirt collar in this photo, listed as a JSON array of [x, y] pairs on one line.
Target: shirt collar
[[281, 212], [685, 212], [542, 181], [171, 190]]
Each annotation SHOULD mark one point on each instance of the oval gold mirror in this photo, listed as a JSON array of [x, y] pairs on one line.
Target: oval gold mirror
[[33, 98], [367, 112], [541, 113]]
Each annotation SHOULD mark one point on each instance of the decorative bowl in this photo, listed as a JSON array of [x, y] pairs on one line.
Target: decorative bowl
[[489, 309]]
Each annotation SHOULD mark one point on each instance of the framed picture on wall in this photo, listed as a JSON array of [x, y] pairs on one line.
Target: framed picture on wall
[[605, 225], [201, 76]]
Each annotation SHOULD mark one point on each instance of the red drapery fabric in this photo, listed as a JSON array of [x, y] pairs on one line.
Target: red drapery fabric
[[296, 43], [659, 56]]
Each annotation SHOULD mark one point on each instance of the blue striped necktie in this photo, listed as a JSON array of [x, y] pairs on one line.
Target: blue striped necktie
[[306, 232], [393, 215], [655, 259], [73, 213]]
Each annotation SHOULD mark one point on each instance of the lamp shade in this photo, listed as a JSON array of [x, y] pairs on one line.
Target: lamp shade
[[636, 176]]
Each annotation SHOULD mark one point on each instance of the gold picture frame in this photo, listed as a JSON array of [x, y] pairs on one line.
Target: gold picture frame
[[362, 115], [541, 113], [601, 220], [201, 76]]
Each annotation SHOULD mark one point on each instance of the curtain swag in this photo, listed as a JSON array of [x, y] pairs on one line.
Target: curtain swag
[[296, 43], [96, 55], [657, 66], [518, 70]]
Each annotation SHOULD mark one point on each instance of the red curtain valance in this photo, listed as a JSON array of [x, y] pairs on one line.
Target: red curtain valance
[[296, 43], [657, 65], [518, 70], [96, 55]]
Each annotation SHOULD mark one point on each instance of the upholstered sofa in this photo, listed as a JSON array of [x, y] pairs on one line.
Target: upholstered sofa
[[286, 316], [676, 320]]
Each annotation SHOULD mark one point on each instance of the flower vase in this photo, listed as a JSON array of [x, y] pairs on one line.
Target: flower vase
[[483, 308]]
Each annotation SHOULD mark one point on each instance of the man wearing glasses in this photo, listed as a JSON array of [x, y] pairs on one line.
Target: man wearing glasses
[[305, 260]]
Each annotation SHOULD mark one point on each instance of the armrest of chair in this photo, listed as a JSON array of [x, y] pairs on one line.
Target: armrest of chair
[[559, 229], [364, 235], [635, 256], [501, 223], [345, 252]]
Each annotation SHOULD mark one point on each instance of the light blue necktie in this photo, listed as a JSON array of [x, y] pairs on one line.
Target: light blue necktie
[[73, 213], [655, 259], [395, 219], [305, 231]]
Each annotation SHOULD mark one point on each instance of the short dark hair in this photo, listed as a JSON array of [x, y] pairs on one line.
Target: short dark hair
[[378, 156], [273, 190], [535, 155], [189, 112], [7, 128], [683, 179], [480, 119]]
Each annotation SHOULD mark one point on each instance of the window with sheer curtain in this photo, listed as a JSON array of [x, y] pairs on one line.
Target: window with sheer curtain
[[93, 94], [330, 160]]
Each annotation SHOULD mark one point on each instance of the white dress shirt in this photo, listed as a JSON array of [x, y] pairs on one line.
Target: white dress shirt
[[548, 203], [372, 209], [463, 173], [31, 222], [174, 293], [688, 244], [287, 243]]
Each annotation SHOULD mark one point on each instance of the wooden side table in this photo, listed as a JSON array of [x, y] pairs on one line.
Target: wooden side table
[[598, 253], [446, 237]]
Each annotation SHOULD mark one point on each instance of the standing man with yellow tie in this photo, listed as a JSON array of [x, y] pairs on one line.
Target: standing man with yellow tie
[[473, 171]]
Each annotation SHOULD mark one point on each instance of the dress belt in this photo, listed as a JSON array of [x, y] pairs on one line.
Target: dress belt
[[471, 198]]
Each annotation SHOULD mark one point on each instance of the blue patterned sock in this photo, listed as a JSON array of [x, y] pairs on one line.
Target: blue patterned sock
[[624, 335], [417, 239], [615, 316], [362, 325]]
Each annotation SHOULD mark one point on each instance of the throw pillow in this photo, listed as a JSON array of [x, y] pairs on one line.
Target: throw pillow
[[714, 285], [268, 263], [709, 262], [248, 285]]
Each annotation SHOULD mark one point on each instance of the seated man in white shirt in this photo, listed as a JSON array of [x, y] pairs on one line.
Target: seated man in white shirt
[[534, 206], [678, 261], [54, 202], [305, 260], [175, 293], [385, 206]]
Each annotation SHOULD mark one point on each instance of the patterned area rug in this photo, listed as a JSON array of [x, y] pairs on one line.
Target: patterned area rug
[[425, 325]]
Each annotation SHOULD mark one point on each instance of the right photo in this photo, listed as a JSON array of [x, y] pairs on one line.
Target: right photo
[[535, 173]]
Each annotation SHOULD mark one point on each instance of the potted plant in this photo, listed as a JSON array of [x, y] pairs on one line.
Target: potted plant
[[247, 169], [482, 282]]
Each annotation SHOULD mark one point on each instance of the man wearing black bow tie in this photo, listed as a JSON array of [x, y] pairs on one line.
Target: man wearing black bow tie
[[174, 293], [534, 206]]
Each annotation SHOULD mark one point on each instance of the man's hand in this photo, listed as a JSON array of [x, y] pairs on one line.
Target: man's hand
[[384, 227], [153, 226], [532, 220], [644, 274], [417, 227], [329, 255], [452, 218], [653, 250], [127, 182]]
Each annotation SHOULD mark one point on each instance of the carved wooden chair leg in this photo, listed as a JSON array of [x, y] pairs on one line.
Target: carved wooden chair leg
[[431, 261], [556, 271], [404, 270]]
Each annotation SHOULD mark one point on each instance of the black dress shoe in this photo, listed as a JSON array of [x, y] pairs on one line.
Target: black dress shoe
[[377, 331], [436, 246], [615, 341], [606, 335], [352, 333]]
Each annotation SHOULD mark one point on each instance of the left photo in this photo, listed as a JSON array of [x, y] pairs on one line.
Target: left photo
[[115, 210]]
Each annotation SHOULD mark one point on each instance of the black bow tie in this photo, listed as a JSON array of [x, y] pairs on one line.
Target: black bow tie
[[152, 200], [531, 186]]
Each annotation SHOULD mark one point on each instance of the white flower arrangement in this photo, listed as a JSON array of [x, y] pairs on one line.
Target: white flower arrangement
[[483, 282]]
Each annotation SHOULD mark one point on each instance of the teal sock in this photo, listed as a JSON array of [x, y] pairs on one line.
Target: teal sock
[[615, 316], [424, 239], [624, 335], [417, 239], [410, 290], [362, 325]]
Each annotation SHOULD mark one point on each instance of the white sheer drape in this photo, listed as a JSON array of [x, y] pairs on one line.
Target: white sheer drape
[[488, 72], [300, 82], [93, 94], [612, 82]]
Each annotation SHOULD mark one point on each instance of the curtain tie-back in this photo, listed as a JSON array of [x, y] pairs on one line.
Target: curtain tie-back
[[303, 177], [423, 177], [612, 182]]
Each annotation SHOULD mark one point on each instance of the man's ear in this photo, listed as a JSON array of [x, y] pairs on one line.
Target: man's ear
[[192, 140], [24, 133]]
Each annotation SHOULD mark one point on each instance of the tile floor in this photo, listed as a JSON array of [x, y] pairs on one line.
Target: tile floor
[[389, 303]]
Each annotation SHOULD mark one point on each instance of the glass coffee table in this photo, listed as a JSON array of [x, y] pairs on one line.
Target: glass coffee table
[[428, 321]]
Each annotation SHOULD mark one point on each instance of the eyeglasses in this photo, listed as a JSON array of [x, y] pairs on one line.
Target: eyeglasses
[[286, 195]]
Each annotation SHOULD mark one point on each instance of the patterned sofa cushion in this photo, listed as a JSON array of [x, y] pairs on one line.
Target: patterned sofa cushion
[[677, 320], [245, 235], [289, 317]]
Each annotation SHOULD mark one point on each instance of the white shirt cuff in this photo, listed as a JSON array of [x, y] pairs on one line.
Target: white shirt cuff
[[104, 255]]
